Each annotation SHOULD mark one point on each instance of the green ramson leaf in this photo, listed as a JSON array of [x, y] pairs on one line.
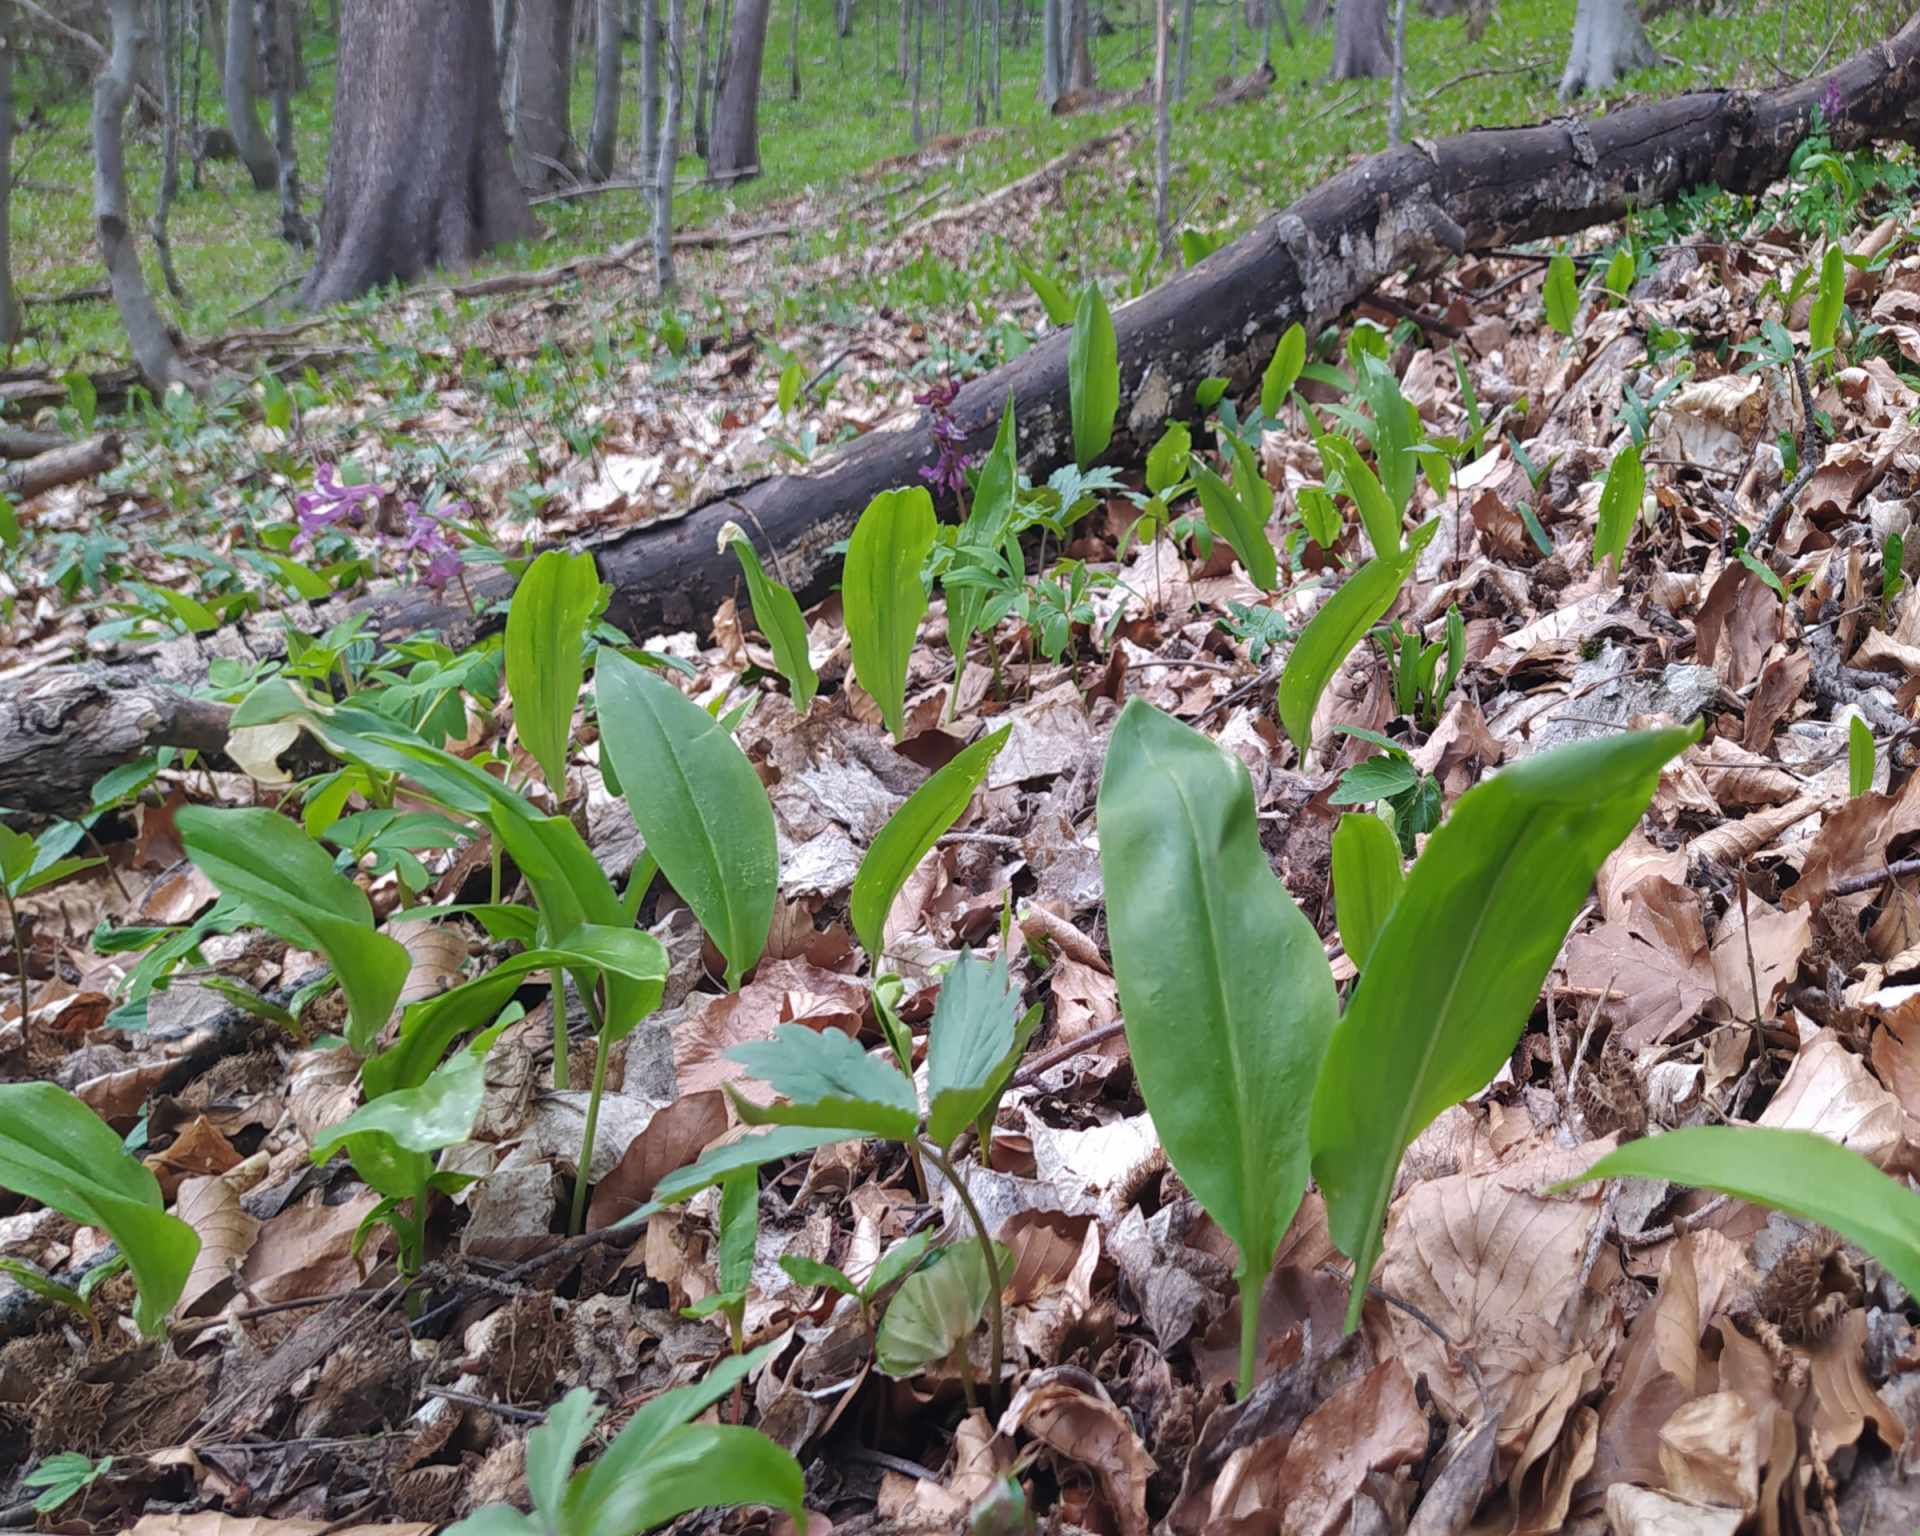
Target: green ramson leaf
[[910, 834], [899, 1260], [1227, 995], [1319, 515], [1232, 520], [882, 596], [1093, 378], [1396, 431], [55, 1150], [697, 802], [1620, 505], [739, 1228], [934, 1312], [392, 1139], [1823, 319], [1453, 976], [1167, 459], [1283, 370], [1053, 298], [982, 535], [777, 612], [1378, 778], [1333, 632], [830, 1081], [1859, 757], [1367, 881], [1562, 294], [1803, 1174], [802, 1270], [1340, 458], [553, 1446], [546, 626], [288, 884], [970, 1042]]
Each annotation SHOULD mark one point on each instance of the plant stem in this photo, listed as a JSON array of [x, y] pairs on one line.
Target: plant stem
[[1250, 1285], [19, 954], [562, 1043], [952, 1174], [601, 1047]]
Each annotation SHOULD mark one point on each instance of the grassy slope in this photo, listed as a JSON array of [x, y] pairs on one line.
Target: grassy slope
[[1231, 166]]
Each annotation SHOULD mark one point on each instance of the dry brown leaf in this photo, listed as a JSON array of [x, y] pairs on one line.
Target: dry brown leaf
[[1068, 1411], [1829, 1091], [211, 1206], [1712, 1450], [781, 991], [307, 1250], [1843, 1399], [211, 1523], [1766, 952], [673, 1138], [438, 952], [1856, 838]]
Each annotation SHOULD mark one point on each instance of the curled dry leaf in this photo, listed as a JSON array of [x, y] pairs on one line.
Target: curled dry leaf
[[211, 1206], [673, 1138], [1068, 1411]]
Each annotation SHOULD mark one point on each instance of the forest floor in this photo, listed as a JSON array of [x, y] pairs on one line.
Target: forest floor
[[1631, 1357]]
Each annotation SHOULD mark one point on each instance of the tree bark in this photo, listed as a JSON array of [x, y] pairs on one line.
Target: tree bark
[[277, 26], [1397, 112], [1080, 49], [1360, 50], [1186, 49], [418, 176], [9, 304], [793, 55], [1162, 128], [153, 349], [733, 140], [669, 160], [1608, 40], [649, 86], [542, 81], [603, 134], [1054, 27], [237, 86], [700, 80], [1416, 206]]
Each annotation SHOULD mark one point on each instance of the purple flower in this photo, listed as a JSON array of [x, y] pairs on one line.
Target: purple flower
[[1831, 102], [330, 502], [430, 544], [948, 471]]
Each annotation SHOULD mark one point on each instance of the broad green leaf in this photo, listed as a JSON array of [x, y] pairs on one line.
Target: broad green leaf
[[829, 1081], [1823, 319], [777, 612], [697, 802], [1231, 519], [935, 1311], [1859, 757], [1562, 294], [1620, 271], [1340, 458], [1053, 298], [1378, 778], [1367, 880], [1333, 632], [700, 1466], [391, 1140], [899, 1260], [970, 1042], [1283, 370], [499, 1520], [552, 1448], [1395, 432], [791, 378], [717, 1162], [982, 536], [1453, 976], [1799, 1172], [1619, 505], [55, 1150], [882, 596], [1093, 377], [288, 884], [908, 836], [739, 1229], [546, 624], [1319, 515], [1226, 992], [802, 1270], [1168, 459]]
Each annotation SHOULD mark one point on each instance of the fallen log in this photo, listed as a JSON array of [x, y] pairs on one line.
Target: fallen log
[[1414, 207], [61, 466]]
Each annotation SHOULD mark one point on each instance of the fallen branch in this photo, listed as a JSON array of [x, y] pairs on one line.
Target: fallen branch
[[61, 731], [980, 205], [99, 293], [61, 466], [1853, 885], [1416, 206], [20, 443]]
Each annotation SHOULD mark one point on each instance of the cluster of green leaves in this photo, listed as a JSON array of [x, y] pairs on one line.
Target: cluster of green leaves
[[1230, 1006]]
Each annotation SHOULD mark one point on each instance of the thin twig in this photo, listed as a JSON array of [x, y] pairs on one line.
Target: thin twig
[[498, 1410], [1853, 885], [1032, 1071]]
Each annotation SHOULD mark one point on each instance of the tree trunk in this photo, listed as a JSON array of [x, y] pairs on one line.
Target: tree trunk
[[160, 362], [1608, 40], [1416, 206], [843, 18], [171, 66], [1053, 51], [542, 82], [1186, 49], [9, 305], [243, 118], [919, 65], [700, 81], [276, 26], [1162, 127], [903, 49], [1360, 50], [1397, 111], [669, 147], [733, 142], [1080, 51], [418, 176], [649, 87], [603, 136], [793, 55]]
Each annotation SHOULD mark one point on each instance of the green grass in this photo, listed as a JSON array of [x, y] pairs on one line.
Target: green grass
[[1232, 166]]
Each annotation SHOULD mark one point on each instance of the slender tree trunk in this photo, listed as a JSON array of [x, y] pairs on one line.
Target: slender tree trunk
[[999, 27], [160, 362], [1162, 127], [542, 81], [1186, 50], [1080, 54], [195, 52], [919, 63], [1608, 40], [843, 18], [700, 81], [649, 86], [939, 64], [793, 55], [1053, 51], [733, 141], [669, 160], [1360, 47], [275, 23], [903, 51], [243, 120], [171, 66], [1397, 115], [419, 174], [603, 135], [9, 305]]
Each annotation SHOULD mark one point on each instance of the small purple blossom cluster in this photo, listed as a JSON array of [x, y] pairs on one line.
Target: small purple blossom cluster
[[1831, 101], [948, 471], [428, 544]]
